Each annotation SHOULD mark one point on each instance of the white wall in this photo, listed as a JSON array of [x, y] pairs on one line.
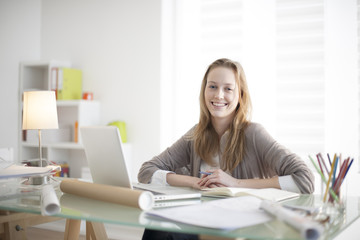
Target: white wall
[[20, 24], [117, 45]]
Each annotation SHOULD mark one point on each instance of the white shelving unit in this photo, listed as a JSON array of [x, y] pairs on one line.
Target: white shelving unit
[[58, 145]]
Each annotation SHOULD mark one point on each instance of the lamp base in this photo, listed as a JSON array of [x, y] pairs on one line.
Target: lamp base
[[37, 180]]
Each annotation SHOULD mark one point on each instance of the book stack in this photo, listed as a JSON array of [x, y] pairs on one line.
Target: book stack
[[64, 172], [67, 83]]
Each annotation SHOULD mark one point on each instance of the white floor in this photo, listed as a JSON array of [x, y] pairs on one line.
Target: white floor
[[114, 232]]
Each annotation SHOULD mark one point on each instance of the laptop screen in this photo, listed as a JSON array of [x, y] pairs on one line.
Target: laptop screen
[[105, 156]]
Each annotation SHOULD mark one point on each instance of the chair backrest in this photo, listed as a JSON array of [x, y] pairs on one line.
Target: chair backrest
[[6, 157], [7, 154]]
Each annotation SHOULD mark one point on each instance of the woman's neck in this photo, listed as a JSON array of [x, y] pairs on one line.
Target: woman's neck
[[221, 125]]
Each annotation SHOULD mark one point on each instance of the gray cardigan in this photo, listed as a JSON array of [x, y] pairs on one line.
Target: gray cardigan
[[264, 158]]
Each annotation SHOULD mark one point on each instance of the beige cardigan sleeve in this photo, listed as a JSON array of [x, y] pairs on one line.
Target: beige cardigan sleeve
[[176, 158], [266, 158]]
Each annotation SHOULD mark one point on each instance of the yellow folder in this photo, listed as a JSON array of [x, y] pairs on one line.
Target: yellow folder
[[69, 84]]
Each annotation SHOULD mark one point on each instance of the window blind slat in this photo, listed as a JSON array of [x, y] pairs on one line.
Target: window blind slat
[[221, 25], [300, 71]]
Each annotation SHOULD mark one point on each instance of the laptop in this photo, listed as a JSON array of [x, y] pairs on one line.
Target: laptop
[[107, 163]]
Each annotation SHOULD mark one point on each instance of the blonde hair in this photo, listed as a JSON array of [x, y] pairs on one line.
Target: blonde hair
[[206, 139]]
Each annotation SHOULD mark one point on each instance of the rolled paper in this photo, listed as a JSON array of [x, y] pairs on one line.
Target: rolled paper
[[107, 193], [49, 201], [309, 229]]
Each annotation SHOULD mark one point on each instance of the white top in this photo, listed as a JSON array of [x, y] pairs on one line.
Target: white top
[[286, 182]]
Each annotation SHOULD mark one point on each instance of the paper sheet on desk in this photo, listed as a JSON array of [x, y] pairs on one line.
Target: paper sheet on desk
[[228, 213], [23, 171]]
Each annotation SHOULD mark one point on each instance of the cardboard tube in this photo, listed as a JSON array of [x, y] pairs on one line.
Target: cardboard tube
[[119, 195]]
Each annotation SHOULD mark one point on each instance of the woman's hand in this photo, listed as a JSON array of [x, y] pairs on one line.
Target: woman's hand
[[183, 181], [217, 178], [196, 184]]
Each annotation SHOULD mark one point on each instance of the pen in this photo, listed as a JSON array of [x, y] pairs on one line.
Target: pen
[[206, 173]]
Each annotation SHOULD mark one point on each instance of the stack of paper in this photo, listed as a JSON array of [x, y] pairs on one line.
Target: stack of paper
[[237, 212], [23, 171]]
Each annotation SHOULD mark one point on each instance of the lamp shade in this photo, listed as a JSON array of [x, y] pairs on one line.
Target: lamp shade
[[39, 110]]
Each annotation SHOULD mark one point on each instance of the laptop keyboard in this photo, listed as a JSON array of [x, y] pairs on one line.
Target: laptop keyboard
[[153, 192]]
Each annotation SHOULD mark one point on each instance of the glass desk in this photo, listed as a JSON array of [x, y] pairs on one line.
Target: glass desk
[[78, 208]]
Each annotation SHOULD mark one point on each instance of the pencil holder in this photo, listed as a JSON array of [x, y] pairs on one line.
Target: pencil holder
[[333, 172], [331, 205]]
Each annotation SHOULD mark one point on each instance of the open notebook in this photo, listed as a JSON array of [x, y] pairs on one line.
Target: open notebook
[[272, 194], [105, 157]]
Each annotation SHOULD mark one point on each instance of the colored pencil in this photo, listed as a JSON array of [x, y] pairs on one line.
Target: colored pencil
[[320, 164], [348, 167], [329, 159], [322, 160], [330, 175], [340, 177], [324, 180], [334, 174]]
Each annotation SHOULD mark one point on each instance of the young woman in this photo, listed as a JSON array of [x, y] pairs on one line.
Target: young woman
[[233, 151], [237, 152]]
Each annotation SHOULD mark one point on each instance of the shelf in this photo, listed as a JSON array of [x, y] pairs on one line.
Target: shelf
[[60, 145], [45, 64], [63, 145], [71, 103]]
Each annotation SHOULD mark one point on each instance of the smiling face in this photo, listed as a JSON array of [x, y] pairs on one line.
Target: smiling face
[[221, 93]]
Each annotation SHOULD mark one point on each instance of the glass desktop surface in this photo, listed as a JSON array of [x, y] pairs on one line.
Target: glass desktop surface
[[74, 207]]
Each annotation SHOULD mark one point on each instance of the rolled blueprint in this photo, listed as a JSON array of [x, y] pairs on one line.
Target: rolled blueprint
[[49, 202], [309, 229], [119, 195]]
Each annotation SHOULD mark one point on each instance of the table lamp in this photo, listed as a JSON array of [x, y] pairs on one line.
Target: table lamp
[[39, 112]]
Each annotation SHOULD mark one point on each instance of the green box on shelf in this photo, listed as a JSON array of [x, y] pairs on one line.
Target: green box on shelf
[[69, 85], [122, 129]]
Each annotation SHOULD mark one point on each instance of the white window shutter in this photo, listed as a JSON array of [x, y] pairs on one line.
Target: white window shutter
[[300, 75], [221, 29]]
